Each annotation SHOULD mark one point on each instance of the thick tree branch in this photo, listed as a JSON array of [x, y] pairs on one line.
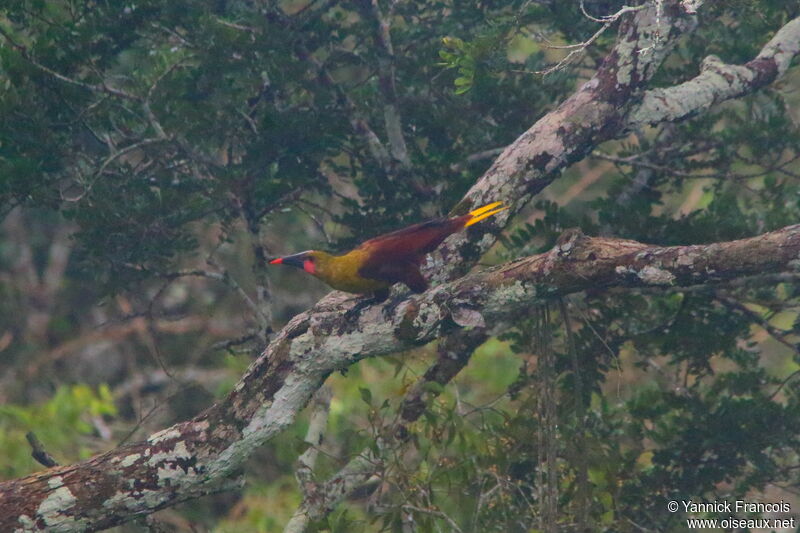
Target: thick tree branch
[[593, 114], [719, 81], [589, 117], [611, 104], [189, 458]]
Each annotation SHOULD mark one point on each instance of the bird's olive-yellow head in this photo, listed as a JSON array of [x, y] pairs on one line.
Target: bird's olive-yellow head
[[339, 271]]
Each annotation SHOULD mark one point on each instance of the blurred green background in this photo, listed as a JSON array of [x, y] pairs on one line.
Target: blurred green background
[[182, 143]]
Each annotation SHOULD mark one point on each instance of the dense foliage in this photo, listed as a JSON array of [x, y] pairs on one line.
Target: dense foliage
[[153, 154]]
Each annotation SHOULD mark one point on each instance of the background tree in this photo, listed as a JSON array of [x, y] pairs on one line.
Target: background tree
[[154, 154]]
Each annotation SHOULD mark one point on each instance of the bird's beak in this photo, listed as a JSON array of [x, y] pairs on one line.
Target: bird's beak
[[295, 260]]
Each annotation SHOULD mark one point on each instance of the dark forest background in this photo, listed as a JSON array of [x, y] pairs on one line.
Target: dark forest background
[[153, 154]]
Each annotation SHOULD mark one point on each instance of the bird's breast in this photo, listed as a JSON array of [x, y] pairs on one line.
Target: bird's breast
[[342, 273]]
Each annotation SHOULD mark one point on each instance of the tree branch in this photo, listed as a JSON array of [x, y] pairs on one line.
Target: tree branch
[[188, 459], [774, 332], [259, 312], [454, 353], [360, 126], [604, 108], [593, 114], [386, 83], [719, 81], [305, 463], [97, 88]]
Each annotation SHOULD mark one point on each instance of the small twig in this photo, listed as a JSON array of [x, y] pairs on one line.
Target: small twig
[[139, 423], [38, 452], [161, 76], [230, 343], [287, 198], [474, 158], [250, 122], [783, 383], [434, 512], [360, 126], [149, 335], [103, 88], [235, 26], [182, 388], [635, 161], [131, 147], [774, 332], [151, 117], [173, 34], [311, 204], [637, 526], [744, 281], [317, 222], [579, 48], [611, 18], [230, 282], [582, 477]]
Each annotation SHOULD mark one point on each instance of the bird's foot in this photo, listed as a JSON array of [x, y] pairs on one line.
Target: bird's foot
[[390, 308], [364, 302]]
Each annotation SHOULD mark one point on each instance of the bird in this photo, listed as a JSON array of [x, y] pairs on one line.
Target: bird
[[377, 264]]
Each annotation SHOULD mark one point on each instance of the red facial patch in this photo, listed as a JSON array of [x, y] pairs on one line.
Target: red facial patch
[[308, 266]]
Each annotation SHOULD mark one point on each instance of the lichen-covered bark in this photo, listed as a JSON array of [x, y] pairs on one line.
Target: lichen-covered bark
[[593, 114], [187, 459], [322, 499], [610, 105], [719, 81], [454, 352]]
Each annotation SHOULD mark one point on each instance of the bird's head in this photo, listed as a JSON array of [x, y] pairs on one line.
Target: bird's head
[[310, 261]]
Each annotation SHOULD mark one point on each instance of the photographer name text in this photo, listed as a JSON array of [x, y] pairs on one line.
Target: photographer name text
[[733, 507]]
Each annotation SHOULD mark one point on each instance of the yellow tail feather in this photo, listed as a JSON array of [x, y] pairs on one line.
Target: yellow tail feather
[[484, 212], [485, 208]]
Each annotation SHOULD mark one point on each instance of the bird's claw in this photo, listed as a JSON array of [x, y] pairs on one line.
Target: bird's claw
[[365, 302]]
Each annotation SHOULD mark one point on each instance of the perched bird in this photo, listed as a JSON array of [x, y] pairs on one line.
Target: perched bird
[[379, 263]]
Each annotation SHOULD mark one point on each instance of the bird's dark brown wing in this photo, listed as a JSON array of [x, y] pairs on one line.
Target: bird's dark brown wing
[[415, 240], [395, 257], [396, 272]]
